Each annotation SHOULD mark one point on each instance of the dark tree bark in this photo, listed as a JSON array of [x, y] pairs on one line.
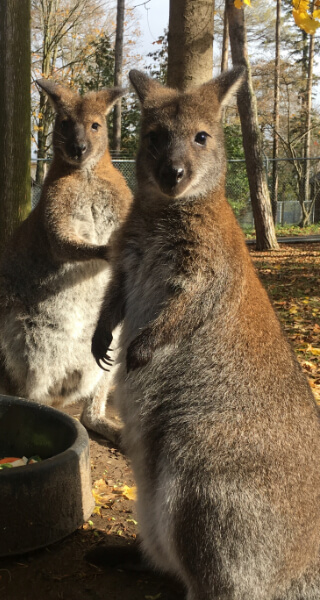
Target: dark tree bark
[[225, 42], [190, 42], [304, 193], [275, 179], [260, 198], [118, 57], [45, 110], [15, 75]]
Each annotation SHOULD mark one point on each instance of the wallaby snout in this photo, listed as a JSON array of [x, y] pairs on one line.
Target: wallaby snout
[[172, 165], [78, 149], [78, 142], [76, 145], [170, 176]]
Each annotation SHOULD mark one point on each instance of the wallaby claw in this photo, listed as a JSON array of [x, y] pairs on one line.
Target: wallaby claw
[[106, 360], [100, 349]]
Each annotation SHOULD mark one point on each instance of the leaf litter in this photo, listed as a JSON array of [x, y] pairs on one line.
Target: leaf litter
[[292, 279]]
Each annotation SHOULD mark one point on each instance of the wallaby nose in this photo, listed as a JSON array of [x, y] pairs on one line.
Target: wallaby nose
[[79, 149], [172, 174]]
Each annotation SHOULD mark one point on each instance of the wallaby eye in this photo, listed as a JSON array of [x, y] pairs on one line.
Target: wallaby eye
[[201, 138], [95, 126]]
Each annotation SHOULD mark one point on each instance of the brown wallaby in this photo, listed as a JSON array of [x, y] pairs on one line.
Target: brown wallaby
[[54, 271], [219, 421]]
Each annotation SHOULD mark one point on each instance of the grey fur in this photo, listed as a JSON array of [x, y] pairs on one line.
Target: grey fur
[[219, 421], [54, 272]]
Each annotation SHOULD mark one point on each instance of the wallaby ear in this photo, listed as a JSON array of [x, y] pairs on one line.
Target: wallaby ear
[[224, 86], [227, 84], [144, 85], [110, 96], [57, 93]]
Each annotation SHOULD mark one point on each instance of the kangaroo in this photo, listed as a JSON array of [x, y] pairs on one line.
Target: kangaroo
[[55, 269], [220, 424]]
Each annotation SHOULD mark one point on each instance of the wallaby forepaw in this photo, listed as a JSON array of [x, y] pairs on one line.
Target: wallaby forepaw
[[100, 347]]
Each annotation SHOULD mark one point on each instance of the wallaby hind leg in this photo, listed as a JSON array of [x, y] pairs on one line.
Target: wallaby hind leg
[[94, 415]]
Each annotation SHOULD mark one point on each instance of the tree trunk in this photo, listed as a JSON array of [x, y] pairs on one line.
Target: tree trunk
[[190, 42], [43, 122], [118, 58], [275, 179], [307, 140], [260, 198], [15, 75], [225, 42]]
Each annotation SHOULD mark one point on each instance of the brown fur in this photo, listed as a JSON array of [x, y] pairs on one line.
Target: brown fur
[[219, 421], [54, 270]]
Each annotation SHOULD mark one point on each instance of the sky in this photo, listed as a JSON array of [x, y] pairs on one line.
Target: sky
[[154, 19]]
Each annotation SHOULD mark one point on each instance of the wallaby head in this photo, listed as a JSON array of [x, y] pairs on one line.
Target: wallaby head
[[80, 135], [181, 147]]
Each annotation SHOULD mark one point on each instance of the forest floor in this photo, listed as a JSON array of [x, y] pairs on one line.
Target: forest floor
[[61, 571]]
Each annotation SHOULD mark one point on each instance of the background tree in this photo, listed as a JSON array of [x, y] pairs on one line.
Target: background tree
[[60, 46], [158, 65], [118, 54], [260, 199], [15, 184], [190, 42], [237, 186], [304, 192], [73, 42], [275, 179], [99, 71]]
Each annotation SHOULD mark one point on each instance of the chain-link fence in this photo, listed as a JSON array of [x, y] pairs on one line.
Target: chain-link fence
[[291, 180], [128, 170], [126, 166], [297, 178]]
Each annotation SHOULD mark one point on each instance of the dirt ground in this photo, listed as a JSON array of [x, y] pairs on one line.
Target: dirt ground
[[61, 571]]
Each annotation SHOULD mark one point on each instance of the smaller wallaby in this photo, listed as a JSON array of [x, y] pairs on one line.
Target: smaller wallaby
[[55, 269], [220, 423]]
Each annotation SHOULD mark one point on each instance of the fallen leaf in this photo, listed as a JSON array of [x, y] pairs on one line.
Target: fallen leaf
[[314, 351], [127, 492]]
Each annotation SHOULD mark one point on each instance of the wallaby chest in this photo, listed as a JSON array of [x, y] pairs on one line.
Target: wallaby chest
[[152, 261], [86, 205]]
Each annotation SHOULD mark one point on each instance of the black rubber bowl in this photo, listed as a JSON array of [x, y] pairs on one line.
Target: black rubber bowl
[[46, 501]]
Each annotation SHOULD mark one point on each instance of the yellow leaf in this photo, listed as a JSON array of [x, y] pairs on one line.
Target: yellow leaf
[[305, 21], [301, 5], [97, 498], [100, 485], [102, 494], [127, 492], [238, 3], [314, 351]]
